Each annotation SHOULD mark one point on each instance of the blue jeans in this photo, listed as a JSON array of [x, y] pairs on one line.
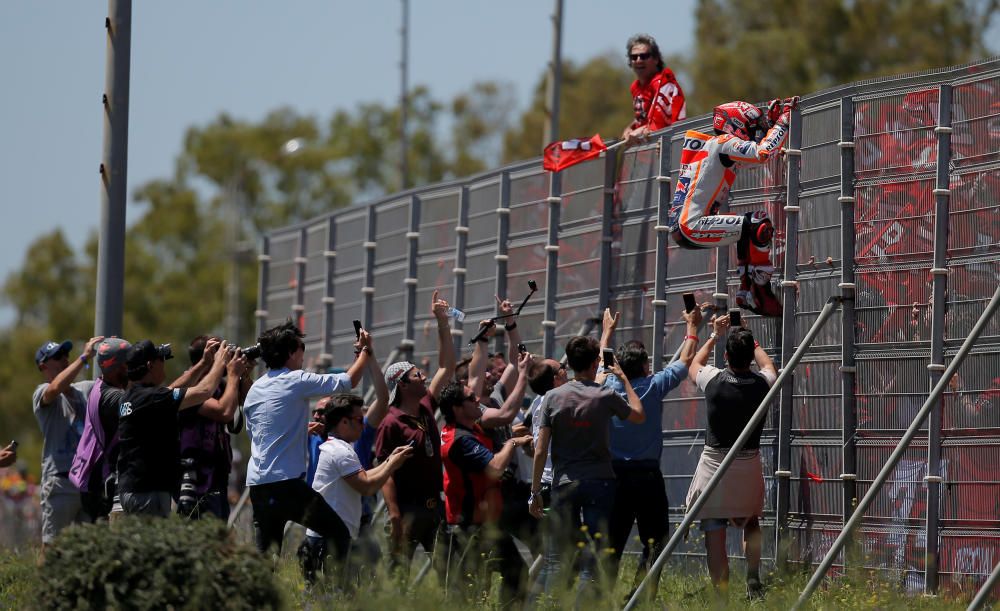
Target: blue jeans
[[586, 503]]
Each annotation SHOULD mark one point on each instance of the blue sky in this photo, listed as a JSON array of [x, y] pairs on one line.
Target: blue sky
[[192, 60]]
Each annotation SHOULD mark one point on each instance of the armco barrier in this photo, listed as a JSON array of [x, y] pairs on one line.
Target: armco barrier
[[864, 195]]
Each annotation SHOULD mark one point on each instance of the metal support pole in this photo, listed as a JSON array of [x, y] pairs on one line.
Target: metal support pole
[[721, 295], [412, 238], [554, 81], [298, 307], [329, 286], [368, 306], [503, 236], [108, 304], [404, 98], [983, 595], [939, 270], [758, 415], [263, 278], [461, 246], [848, 366], [608, 223], [552, 265], [663, 200], [789, 289], [897, 453]]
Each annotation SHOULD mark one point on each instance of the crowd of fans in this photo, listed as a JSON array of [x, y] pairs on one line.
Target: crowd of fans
[[467, 468]]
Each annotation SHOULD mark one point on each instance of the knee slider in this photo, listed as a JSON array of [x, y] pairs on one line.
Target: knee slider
[[759, 228]]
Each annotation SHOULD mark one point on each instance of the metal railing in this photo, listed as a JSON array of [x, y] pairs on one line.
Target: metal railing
[[886, 198]]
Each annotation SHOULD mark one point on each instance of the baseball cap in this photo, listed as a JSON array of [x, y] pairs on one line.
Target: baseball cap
[[393, 374], [143, 352], [111, 353], [50, 348]]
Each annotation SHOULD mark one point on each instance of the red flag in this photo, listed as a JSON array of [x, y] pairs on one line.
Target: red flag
[[565, 153], [814, 477]]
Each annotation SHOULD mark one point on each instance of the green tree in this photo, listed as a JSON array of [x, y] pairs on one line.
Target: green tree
[[283, 169], [749, 51], [594, 98]]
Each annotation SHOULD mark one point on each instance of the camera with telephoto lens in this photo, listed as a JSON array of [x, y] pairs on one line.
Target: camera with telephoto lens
[[187, 500], [164, 352], [251, 352]]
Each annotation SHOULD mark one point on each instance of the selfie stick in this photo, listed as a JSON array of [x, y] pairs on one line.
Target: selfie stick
[[484, 328]]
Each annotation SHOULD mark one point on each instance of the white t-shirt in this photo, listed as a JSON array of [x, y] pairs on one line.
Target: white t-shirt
[[338, 460]]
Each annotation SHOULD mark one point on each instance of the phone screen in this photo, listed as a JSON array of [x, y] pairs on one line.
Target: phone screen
[[357, 328], [689, 303], [609, 357], [735, 319]]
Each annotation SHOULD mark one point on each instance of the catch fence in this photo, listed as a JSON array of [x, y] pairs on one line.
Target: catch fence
[[877, 173]]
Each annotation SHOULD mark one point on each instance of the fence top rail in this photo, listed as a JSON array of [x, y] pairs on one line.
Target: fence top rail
[[881, 85]]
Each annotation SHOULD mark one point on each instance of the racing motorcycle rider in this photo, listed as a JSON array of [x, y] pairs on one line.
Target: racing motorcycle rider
[[708, 169]]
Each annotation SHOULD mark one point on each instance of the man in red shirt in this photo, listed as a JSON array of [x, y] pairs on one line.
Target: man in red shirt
[[473, 466], [413, 493], [657, 98]]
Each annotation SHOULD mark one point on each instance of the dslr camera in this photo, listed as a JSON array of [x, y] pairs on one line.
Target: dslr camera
[[251, 352]]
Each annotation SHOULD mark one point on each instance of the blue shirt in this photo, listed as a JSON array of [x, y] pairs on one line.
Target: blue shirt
[[644, 441], [315, 441], [277, 414]]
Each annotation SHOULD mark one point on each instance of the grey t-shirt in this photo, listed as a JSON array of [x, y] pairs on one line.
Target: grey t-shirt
[[61, 422], [579, 416]]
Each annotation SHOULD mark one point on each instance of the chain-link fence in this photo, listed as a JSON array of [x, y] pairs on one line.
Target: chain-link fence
[[870, 167]]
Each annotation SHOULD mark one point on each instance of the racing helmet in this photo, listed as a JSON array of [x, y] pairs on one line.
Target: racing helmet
[[741, 119]]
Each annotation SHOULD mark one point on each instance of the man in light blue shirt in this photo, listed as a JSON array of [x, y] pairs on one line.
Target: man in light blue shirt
[[641, 495], [277, 414]]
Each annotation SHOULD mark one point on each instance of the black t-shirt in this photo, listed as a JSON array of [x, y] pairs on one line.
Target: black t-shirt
[[147, 433], [732, 399], [107, 409]]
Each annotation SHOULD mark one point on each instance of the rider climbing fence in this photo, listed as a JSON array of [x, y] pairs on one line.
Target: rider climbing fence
[[888, 199]]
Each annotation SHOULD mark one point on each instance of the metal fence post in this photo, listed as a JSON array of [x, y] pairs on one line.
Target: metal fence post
[[503, 236], [663, 199], [330, 261], [263, 278], [298, 307], [942, 196], [412, 240], [552, 264], [848, 366], [789, 290], [607, 230], [368, 290], [918, 420], [108, 304], [721, 294], [461, 245]]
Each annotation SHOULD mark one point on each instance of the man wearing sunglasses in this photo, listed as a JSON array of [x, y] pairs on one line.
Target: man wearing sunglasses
[[657, 98]]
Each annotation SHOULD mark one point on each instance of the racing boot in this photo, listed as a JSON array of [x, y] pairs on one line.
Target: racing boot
[[754, 265]]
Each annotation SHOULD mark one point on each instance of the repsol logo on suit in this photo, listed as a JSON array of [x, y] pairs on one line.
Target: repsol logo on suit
[[694, 144]]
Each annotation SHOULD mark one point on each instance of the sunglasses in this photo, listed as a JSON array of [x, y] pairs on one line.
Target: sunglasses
[[642, 56]]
